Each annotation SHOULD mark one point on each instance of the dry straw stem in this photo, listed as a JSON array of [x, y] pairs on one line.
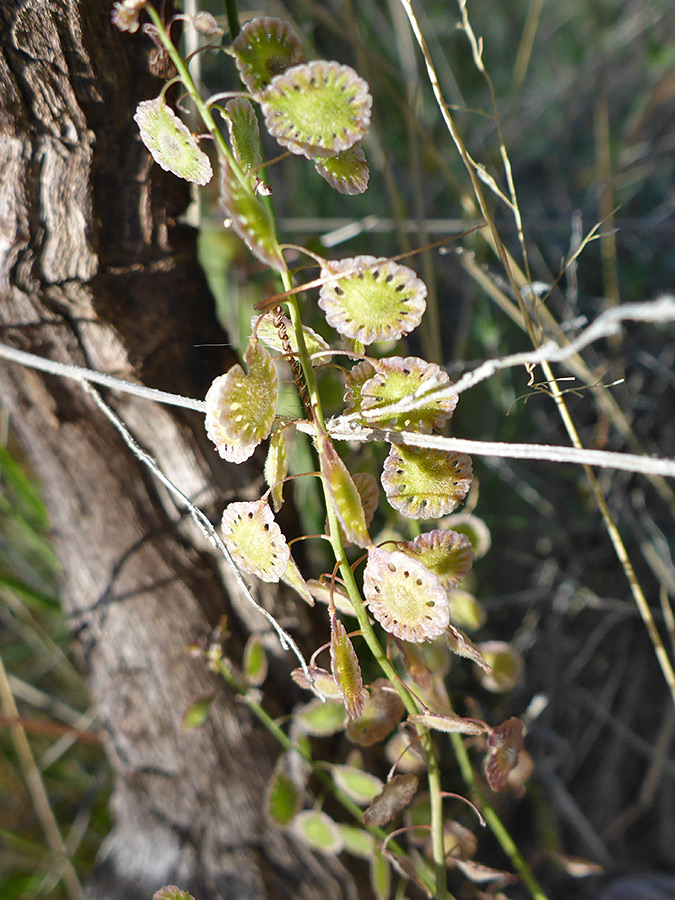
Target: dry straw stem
[[477, 173], [606, 325], [575, 364], [617, 541], [344, 428], [577, 455], [202, 522], [37, 791], [517, 280]]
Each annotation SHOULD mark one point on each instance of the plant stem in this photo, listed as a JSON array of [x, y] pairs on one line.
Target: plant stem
[[276, 731], [334, 528], [496, 825], [196, 97], [232, 14], [367, 630]]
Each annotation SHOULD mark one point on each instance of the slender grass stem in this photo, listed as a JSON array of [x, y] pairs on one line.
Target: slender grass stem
[[37, 792]]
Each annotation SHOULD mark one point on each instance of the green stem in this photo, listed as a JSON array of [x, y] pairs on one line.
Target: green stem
[[496, 825], [367, 630], [334, 528], [277, 732], [232, 14], [196, 97]]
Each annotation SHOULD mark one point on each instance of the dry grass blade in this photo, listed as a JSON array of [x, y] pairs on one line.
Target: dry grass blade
[[610, 524], [37, 790], [202, 522]]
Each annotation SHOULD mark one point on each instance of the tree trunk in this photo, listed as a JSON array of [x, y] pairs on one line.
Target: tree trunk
[[95, 271]]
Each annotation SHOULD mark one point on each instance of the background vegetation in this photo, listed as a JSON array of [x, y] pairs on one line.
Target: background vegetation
[[586, 98]]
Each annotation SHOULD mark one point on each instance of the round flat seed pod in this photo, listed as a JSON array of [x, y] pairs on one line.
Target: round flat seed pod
[[445, 553], [369, 299], [474, 528], [504, 746], [347, 172], [425, 484], [240, 405], [317, 109], [467, 612], [233, 448], [320, 718], [404, 596], [265, 47], [369, 492], [318, 831], [283, 798], [506, 666], [394, 797], [381, 713], [255, 540], [171, 143], [360, 786], [322, 681], [397, 378], [356, 378]]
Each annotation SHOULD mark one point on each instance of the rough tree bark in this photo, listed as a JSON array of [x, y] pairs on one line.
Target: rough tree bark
[[94, 270]]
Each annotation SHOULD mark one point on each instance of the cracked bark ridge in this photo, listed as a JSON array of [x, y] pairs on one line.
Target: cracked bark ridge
[[94, 270]]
